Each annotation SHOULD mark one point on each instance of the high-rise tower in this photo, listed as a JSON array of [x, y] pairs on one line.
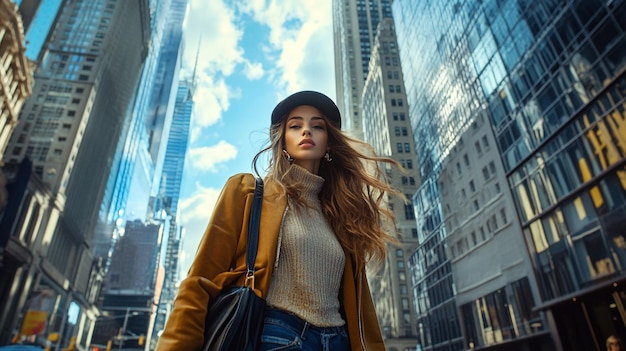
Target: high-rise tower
[[354, 24], [548, 79], [84, 87], [387, 128]]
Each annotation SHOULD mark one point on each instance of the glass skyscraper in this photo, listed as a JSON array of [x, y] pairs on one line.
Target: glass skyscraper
[[166, 202], [140, 153], [549, 75]]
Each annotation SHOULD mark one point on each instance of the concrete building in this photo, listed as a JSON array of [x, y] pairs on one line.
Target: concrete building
[[16, 78], [483, 231], [69, 128], [354, 25], [387, 128], [132, 284]]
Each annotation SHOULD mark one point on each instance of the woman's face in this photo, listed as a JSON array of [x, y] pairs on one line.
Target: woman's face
[[306, 137], [613, 344]]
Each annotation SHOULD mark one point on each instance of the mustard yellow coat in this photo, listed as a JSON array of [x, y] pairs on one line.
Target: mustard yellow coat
[[224, 246]]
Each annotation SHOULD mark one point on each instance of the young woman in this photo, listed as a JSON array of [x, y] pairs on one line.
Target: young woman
[[322, 221]]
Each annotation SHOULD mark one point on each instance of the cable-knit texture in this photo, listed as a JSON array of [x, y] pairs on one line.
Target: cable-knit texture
[[311, 261]]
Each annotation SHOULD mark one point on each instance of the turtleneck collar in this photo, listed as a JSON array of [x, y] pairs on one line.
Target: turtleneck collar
[[311, 184]]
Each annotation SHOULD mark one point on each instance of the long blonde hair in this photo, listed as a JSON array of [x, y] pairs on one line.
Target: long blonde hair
[[353, 195]]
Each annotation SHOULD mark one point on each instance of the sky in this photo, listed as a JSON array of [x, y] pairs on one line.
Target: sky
[[251, 55]]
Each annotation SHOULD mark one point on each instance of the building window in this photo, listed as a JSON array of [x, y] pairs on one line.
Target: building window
[[478, 149], [485, 141], [405, 132], [399, 147], [471, 185], [503, 215], [402, 118], [492, 167], [408, 211], [397, 131], [409, 164], [407, 147], [458, 168], [466, 160], [399, 253]]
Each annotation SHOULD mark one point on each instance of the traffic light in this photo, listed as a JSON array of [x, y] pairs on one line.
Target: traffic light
[[141, 340]]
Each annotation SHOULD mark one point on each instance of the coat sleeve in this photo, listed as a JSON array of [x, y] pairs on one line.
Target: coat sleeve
[[212, 267]]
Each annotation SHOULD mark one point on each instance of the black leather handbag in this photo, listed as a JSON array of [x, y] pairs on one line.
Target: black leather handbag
[[234, 320]]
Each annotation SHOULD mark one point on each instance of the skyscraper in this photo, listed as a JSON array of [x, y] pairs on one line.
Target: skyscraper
[[166, 202], [387, 128], [548, 76], [84, 87], [354, 24], [132, 171]]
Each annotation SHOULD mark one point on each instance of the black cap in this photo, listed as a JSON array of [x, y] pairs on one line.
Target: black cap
[[312, 98]]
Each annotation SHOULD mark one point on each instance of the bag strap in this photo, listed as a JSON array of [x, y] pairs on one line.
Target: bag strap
[[253, 232]]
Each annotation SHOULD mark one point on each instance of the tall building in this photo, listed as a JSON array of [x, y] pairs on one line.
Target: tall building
[[548, 76], [387, 128], [132, 283], [16, 78], [354, 27], [84, 86], [169, 194], [130, 181]]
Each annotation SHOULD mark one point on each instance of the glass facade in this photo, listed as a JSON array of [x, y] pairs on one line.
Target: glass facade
[[174, 162], [550, 74]]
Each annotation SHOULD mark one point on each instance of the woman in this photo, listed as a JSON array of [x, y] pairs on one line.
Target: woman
[[321, 223], [613, 343]]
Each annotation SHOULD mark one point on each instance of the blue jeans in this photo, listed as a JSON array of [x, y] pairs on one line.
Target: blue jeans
[[285, 331]]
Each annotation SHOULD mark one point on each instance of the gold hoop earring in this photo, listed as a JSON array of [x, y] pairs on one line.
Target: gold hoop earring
[[287, 156], [327, 157]]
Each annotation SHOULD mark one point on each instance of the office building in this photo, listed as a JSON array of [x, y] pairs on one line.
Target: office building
[[354, 26], [387, 128], [84, 86], [549, 77], [16, 78], [169, 194], [132, 283]]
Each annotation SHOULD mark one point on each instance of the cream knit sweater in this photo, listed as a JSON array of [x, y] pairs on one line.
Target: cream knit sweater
[[311, 260]]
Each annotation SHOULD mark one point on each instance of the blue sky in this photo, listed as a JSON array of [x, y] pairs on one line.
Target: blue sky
[[252, 54]]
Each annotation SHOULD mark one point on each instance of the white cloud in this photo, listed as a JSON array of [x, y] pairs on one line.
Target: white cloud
[[214, 26], [301, 40], [254, 71], [208, 157], [195, 212]]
